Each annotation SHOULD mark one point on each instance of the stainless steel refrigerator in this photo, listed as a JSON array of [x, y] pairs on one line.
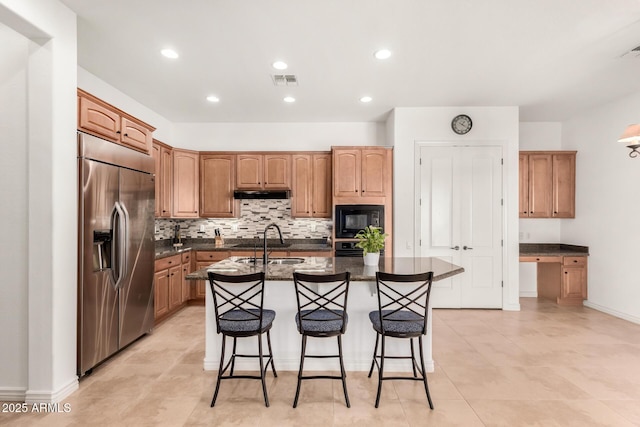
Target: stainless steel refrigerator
[[116, 248]]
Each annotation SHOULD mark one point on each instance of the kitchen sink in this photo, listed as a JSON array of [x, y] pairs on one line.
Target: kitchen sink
[[272, 261]]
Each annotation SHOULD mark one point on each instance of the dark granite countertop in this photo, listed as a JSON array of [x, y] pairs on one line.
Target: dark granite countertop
[[359, 272], [552, 249], [165, 249]]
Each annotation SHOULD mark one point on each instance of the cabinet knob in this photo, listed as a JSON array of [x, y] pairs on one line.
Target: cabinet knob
[[118, 132], [356, 190], [363, 191], [126, 134]]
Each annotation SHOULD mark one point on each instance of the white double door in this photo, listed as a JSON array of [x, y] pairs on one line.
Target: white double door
[[460, 220]]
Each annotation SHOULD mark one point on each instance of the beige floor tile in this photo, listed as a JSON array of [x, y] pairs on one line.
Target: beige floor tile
[[543, 366], [549, 413]]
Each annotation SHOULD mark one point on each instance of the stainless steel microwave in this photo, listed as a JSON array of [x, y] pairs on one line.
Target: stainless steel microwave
[[349, 219]]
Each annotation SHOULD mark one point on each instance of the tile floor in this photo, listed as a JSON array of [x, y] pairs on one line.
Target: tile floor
[[543, 366]]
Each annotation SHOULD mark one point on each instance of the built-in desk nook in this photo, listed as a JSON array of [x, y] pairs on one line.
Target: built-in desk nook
[[561, 270]]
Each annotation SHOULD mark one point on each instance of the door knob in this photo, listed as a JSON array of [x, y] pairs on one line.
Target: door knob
[[467, 248], [457, 248]]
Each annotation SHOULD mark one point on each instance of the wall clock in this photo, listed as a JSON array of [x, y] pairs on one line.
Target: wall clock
[[461, 124]]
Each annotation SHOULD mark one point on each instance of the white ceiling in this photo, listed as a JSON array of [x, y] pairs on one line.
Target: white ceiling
[[552, 58]]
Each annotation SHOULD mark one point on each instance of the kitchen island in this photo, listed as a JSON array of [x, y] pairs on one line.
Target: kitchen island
[[280, 296]]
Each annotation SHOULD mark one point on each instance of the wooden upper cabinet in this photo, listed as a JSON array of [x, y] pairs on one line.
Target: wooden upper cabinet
[[547, 184], [106, 121], [361, 172], [258, 171], [346, 172], [311, 185], [155, 154], [99, 119], [564, 185], [163, 157], [185, 183], [373, 173], [249, 172], [301, 186], [277, 171], [217, 182], [321, 188]]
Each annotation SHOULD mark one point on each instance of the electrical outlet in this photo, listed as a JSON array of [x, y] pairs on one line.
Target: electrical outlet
[[202, 228], [234, 227], [157, 229], [521, 235], [409, 245], [312, 226]]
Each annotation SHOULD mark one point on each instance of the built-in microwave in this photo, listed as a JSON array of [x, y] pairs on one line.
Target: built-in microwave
[[349, 219]]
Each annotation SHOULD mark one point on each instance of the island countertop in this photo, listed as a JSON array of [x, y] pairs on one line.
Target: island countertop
[[320, 265]]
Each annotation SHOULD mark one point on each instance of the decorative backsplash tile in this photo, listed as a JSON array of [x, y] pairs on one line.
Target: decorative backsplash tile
[[254, 216]]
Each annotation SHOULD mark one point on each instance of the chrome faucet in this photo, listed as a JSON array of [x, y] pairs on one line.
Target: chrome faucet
[[265, 256]]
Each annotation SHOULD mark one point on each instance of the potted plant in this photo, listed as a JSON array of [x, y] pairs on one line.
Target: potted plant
[[371, 241]]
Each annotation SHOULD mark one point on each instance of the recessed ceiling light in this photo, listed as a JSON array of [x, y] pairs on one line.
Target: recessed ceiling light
[[169, 53], [366, 99], [279, 65], [289, 99], [213, 98], [382, 54]]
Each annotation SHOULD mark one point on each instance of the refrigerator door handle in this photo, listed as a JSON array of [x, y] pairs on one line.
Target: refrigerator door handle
[[118, 221]]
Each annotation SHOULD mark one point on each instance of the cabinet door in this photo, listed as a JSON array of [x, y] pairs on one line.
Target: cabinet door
[[346, 173], [301, 186], [201, 285], [574, 282], [277, 171], [524, 186], [186, 284], [540, 185], [99, 119], [175, 287], [321, 189], [217, 181], [185, 184], [155, 154], [134, 135], [166, 181], [564, 185], [373, 172], [249, 171], [161, 293]]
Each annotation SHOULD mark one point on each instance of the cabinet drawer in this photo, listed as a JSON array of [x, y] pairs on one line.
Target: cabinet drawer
[[186, 257], [578, 261], [212, 255], [557, 259], [164, 263]]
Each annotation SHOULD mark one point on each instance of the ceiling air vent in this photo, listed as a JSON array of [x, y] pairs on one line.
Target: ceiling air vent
[[285, 80]]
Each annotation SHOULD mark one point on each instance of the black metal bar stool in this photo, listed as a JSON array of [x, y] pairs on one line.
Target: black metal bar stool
[[403, 303], [238, 302], [322, 315]]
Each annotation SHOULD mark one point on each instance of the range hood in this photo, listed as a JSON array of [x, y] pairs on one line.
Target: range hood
[[261, 194]]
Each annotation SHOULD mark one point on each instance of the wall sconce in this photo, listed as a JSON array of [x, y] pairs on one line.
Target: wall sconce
[[631, 136]]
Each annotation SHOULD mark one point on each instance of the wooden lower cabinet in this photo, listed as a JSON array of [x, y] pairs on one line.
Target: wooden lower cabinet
[[561, 278], [169, 285], [203, 260], [175, 287], [187, 267], [161, 294]]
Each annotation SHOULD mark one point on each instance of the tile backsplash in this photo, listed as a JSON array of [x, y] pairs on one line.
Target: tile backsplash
[[254, 216]]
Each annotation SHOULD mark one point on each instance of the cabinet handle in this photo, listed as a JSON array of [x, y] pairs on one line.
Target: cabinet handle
[[575, 260], [467, 248], [118, 132], [457, 248]]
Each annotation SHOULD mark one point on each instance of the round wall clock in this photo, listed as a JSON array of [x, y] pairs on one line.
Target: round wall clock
[[461, 124]]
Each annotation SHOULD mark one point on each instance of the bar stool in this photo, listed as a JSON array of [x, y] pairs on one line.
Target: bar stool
[[403, 301], [321, 315], [238, 302]]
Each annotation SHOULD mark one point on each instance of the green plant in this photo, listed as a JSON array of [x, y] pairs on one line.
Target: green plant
[[371, 239]]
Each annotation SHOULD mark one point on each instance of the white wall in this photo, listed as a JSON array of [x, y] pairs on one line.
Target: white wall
[[607, 201], [498, 125], [48, 138], [275, 136], [14, 252]]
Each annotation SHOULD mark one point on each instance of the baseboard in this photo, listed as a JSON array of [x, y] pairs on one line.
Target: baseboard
[[12, 394], [511, 307], [621, 315], [528, 294], [42, 396]]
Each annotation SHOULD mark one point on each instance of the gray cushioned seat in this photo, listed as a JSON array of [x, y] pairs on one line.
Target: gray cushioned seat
[[401, 322], [321, 321], [241, 321]]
